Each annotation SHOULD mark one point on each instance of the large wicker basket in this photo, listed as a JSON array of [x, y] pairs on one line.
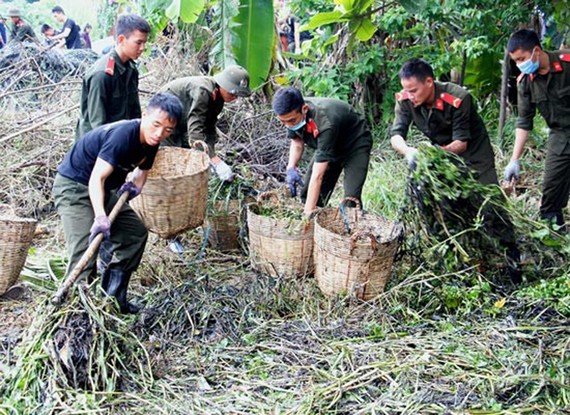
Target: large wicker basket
[[175, 195], [354, 252], [16, 236], [279, 247]]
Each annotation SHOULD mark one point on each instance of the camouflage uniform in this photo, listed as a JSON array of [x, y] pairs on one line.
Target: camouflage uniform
[[109, 93], [453, 117], [23, 32], [202, 102], [340, 137], [550, 94]]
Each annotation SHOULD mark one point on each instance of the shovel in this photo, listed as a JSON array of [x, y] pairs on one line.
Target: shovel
[[59, 296]]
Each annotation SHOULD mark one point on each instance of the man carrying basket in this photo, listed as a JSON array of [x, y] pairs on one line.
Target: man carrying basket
[[84, 191]]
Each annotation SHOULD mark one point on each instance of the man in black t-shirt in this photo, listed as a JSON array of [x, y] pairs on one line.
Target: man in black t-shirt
[[70, 30], [84, 191]]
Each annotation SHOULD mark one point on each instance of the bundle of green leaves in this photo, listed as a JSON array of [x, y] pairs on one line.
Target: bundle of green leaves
[[454, 219]]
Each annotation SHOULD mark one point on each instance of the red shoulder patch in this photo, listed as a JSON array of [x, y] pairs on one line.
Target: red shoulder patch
[[451, 100], [564, 57], [312, 128], [110, 69], [402, 96], [556, 66], [439, 104]]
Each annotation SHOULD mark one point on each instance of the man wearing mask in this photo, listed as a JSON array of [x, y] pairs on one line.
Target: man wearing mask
[[341, 140], [544, 84]]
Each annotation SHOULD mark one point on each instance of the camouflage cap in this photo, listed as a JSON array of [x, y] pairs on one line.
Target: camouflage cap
[[14, 13], [235, 80]]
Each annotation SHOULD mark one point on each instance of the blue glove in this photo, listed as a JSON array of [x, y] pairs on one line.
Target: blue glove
[[101, 224], [513, 170], [130, 187], [293, 179]]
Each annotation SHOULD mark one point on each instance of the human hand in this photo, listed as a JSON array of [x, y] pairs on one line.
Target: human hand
[[293, 179], [131, 188], [513, 170], [101, 224], [223, 171]]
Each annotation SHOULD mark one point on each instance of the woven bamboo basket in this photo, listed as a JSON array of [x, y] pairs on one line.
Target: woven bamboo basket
[[223, 225], [354, 252], [175, 195], [279, 247], [16, 236]]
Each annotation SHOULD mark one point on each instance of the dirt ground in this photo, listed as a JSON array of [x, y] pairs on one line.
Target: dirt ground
[[16, 317]]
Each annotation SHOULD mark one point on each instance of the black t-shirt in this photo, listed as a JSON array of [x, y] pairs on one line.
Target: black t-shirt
[[118, 144], [73, 40]]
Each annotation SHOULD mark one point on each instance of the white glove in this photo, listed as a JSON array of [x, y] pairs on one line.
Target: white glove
[[223, 171], [513, 170], [411, 157]]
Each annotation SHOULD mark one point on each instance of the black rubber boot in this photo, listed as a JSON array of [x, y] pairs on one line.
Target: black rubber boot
[[118, 282]]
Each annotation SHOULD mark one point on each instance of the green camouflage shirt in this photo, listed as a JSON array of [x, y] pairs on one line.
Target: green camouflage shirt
[[110, 92], [202, 103], [23, 32], [334, 129]]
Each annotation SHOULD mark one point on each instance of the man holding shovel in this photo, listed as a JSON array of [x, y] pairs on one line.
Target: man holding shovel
[[203, 98], [85, 191]]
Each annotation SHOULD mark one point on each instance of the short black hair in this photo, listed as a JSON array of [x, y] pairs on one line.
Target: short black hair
[[87, 26], [524, 39], [287, 100], [416, 68], [168, 103], [57, 9], [128, 23], [45, 28]]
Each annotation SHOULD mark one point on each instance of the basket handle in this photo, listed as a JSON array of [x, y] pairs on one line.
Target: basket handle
[[199, 143], [358, 235], [342, 211], [271, 196]]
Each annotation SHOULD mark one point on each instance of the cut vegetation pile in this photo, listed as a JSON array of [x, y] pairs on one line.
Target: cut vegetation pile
[[217, 338]]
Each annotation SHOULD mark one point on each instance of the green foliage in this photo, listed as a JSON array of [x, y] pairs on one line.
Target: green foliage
[[255, 38], [186, 10], [221, 53], [555, 293]]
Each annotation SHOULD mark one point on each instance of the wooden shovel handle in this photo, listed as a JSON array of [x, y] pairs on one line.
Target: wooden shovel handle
[[59, 296]]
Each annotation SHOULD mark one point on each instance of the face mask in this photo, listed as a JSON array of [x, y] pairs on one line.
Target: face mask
[[299, 125], [528, 67]]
